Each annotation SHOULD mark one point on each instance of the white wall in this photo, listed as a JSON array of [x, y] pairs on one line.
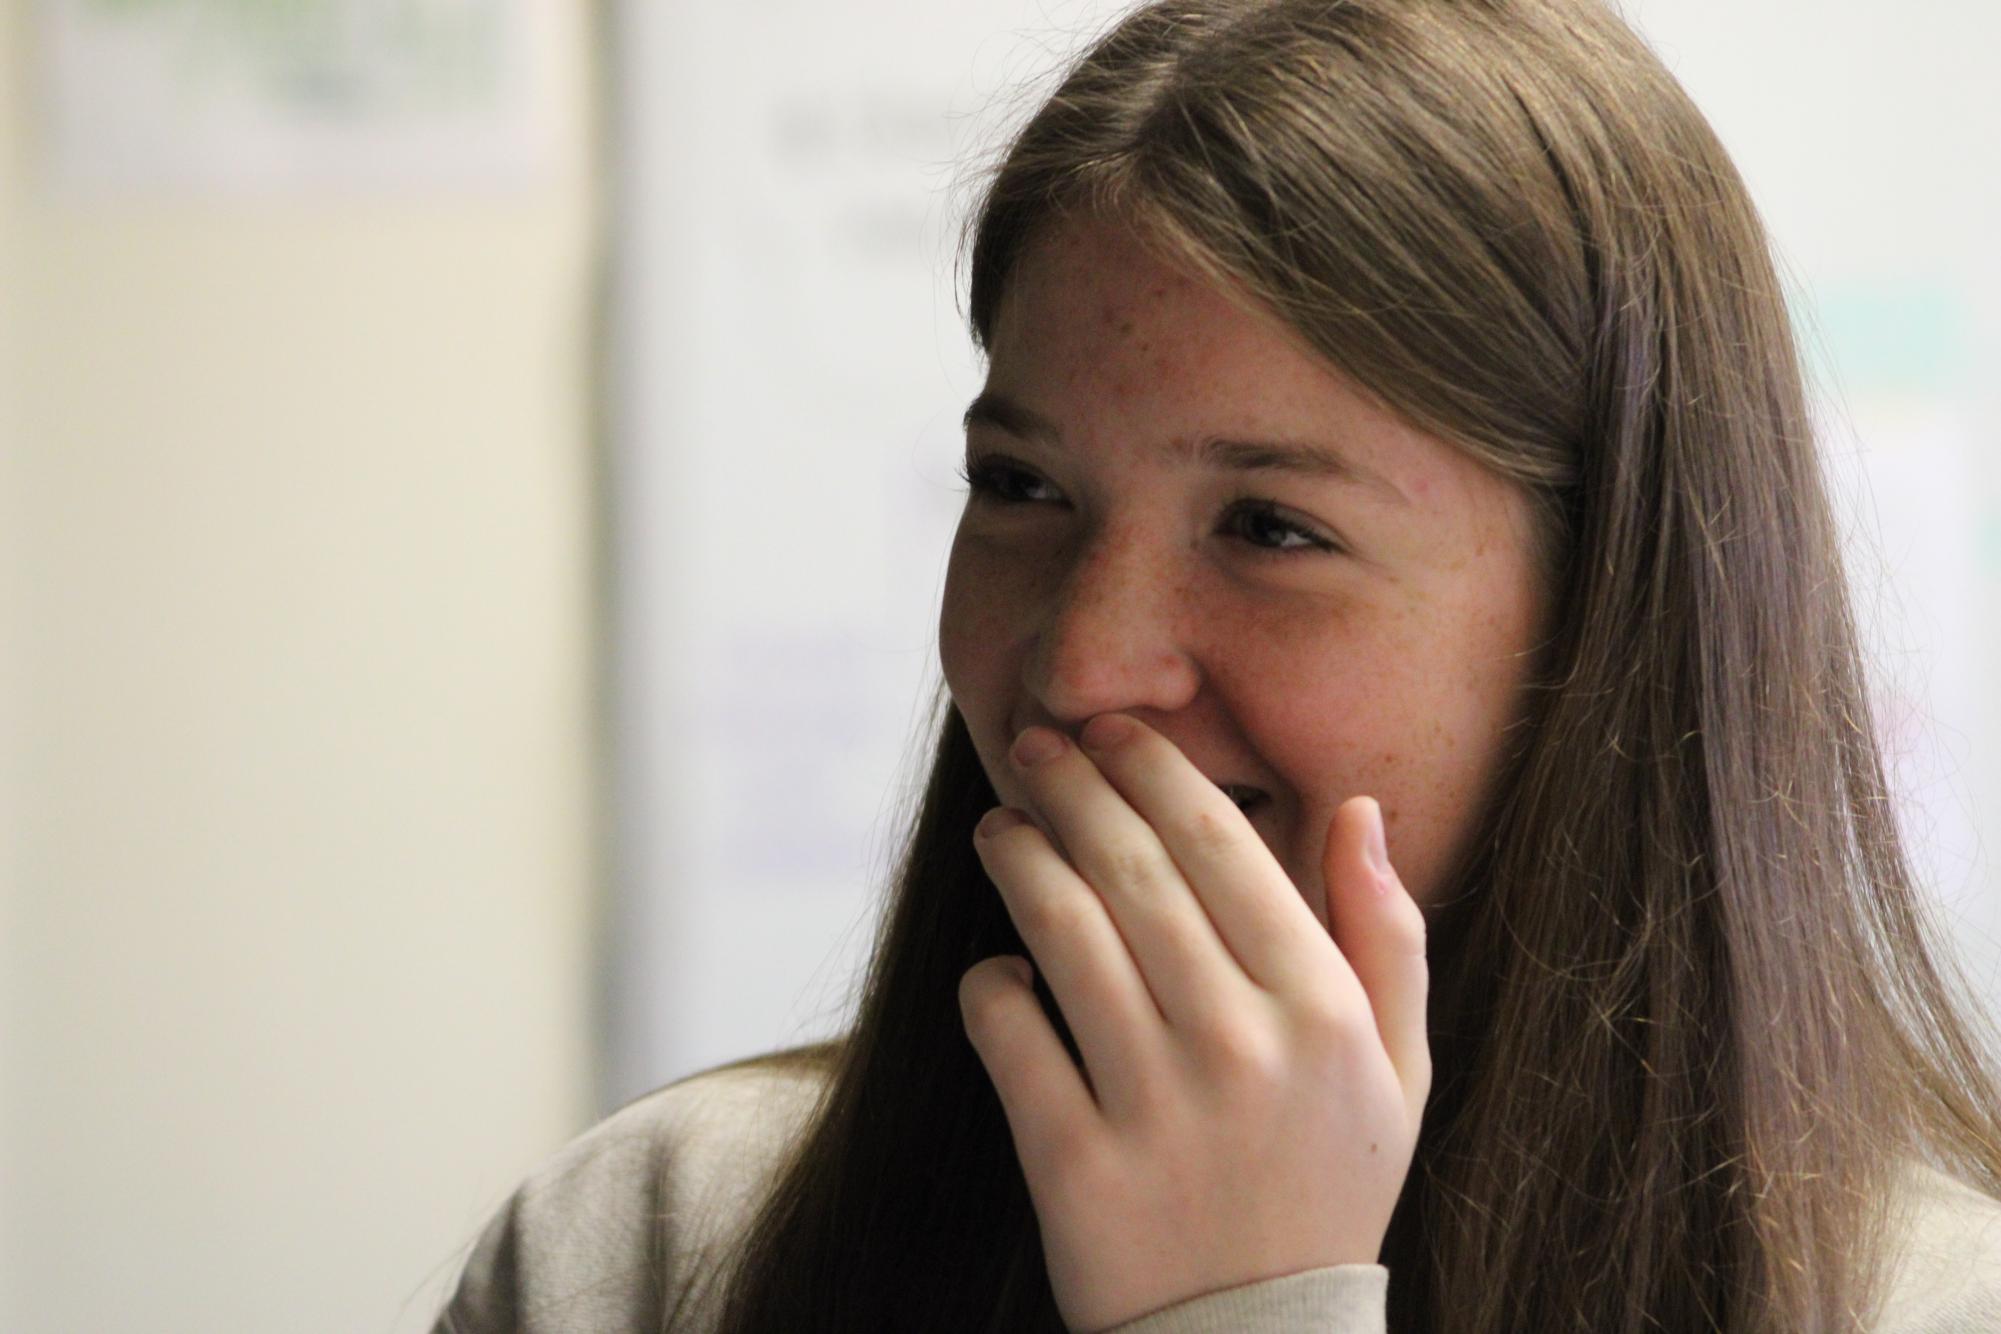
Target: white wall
[[299, 492]]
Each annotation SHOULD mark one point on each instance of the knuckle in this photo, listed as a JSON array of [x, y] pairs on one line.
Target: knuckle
[[1210, 834], [1129, 866], [1056, 916], [971, 983], [1076, 1159], [1242, 1055], [982, 981], [979, 999], [1330, 1023]]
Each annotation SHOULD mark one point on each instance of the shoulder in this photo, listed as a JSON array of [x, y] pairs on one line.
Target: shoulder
[[711, 1139], [1945, 1258], [602, 1233]]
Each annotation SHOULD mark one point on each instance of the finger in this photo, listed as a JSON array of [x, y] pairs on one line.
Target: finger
[[1249, 901], [1380, 929], [1091, 973], [1117, 850], [1044, 1097]]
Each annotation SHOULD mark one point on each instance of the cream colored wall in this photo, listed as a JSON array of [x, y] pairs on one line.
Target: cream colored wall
[[296, 949], [11, 617]]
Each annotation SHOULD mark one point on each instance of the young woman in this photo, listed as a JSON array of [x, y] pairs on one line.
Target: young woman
[[1405, 847]]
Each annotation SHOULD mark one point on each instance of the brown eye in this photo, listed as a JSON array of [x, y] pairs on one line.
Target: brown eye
[[1003, 482], [1268, 528]]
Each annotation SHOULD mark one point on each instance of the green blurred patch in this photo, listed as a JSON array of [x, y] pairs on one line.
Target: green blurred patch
[[1906, 338], [1988, 550]]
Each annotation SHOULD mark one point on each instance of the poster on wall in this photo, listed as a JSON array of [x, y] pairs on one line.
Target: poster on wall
[[237, 95]]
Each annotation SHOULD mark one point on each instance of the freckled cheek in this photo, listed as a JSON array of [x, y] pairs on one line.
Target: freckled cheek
[[1339, 737], [1360, 715], [1314, 705], [985, 606], [1455, 747]]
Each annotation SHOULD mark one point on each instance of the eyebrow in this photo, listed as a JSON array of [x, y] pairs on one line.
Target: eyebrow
[[1002, 412]]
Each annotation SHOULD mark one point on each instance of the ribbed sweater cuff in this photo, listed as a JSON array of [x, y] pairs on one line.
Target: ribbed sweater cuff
[[1341, 1299]]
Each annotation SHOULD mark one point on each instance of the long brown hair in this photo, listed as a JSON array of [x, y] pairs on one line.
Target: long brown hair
[[1687, 1021]]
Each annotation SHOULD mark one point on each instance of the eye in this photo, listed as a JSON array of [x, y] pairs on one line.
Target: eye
[[1267, 527], [1001, 481]]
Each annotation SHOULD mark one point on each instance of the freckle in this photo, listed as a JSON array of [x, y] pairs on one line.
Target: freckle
[[1372, 1146], [1125, 328]]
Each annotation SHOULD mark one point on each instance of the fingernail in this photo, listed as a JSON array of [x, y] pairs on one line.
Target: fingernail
[[1037, 745], [998, 821], [1373, 844], [1108, 730]]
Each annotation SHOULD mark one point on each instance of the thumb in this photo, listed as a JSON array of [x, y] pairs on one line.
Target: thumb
[[1380, 930]]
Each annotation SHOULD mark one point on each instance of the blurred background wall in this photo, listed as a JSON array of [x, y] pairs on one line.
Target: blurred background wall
[[12, 625], [328, 906], [298, 504]]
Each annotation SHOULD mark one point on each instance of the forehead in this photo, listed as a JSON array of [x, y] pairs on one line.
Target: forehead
[[1096, 318], [1090, 276], [1100, 336]]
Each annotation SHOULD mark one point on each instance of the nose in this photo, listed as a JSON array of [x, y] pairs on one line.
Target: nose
[[1111, 637]]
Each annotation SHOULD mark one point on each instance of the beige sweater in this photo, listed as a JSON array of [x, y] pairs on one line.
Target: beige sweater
[[593, 1241]]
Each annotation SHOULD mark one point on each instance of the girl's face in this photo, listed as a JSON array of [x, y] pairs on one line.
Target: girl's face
[[1179, 513]]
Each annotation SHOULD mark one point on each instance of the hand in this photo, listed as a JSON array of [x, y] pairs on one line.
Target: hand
[[1254, 1086]]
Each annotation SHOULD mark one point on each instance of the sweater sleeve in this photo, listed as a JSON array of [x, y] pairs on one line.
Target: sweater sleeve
[[1341, 1299], [570, 1251], [622, 1230]]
